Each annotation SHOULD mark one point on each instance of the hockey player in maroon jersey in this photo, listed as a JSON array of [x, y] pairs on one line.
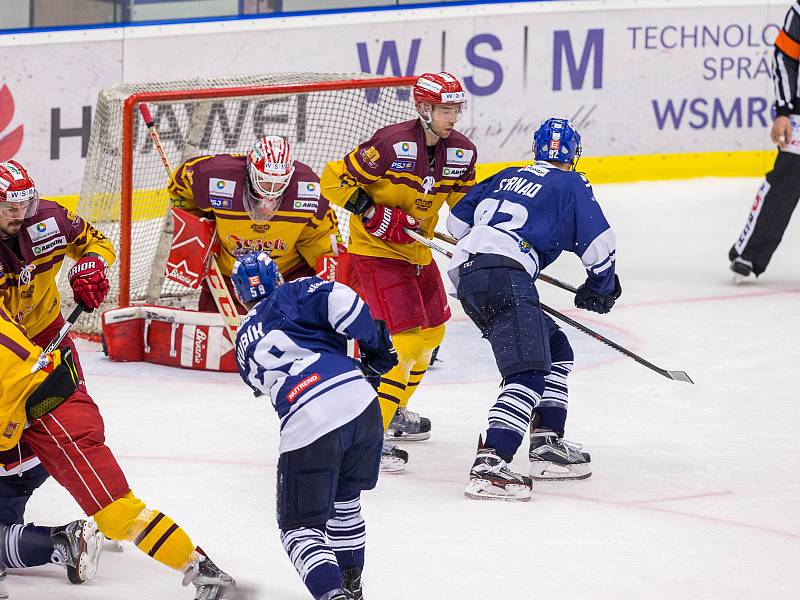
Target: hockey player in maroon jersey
[[399, 179], [65, 430], [262, 201], [35, 237]]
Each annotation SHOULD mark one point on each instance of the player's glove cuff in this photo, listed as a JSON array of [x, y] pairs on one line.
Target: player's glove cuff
[[588, 299]]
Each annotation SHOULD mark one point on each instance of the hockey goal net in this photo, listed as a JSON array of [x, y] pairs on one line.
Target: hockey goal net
[[123, 192]]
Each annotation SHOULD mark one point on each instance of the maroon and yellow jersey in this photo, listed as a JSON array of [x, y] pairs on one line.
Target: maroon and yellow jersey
[[28, 289], [298, 233], [394, 169], [18, 355]]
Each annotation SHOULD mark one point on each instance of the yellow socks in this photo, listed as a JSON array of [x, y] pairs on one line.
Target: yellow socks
[[414, 349], [153, 532]]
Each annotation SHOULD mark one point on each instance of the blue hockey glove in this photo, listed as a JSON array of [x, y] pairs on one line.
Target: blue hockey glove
[[377, 361], [587, 299]]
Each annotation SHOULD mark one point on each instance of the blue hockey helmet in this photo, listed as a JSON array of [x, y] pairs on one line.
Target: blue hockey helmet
[[255, 276], [557, 140]]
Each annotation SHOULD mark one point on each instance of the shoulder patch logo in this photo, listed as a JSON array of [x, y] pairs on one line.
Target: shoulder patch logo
[[224, 188], [306, 205], [453, 171], [370, 155], [403, 165], [307, 189], [459, 156], [220, 202], [43, 230], [47, 246], [405, 149]]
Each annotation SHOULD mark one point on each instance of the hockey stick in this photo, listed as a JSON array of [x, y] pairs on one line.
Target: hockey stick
[[43, 360], [222, 297], [676, 375], [546, 278]]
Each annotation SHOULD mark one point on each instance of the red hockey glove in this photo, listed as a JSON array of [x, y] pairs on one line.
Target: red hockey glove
[[89, 283], [388, 224]]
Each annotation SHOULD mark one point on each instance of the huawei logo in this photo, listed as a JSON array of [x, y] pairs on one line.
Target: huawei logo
[[9, 143]]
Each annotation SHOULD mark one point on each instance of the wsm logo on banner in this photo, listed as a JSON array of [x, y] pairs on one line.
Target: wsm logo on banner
[[10, 143], [388, 63], [564, 52]]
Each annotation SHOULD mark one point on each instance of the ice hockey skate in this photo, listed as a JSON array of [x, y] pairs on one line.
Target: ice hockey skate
[[742, 270], [408, 426], [351, 581], [212, 583], [556, 459], [393, 459], [77, 547], [491, 479]]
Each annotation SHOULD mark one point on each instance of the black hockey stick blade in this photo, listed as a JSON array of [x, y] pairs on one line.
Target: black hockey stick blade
[[676, 375]]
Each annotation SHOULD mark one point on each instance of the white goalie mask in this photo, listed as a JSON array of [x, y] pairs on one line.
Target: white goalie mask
[[270, 166]]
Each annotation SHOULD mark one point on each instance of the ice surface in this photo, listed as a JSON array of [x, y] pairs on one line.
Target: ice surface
[[695, 488]]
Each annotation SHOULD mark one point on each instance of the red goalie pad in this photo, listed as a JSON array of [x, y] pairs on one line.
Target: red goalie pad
[[192, 242], [168, 336]]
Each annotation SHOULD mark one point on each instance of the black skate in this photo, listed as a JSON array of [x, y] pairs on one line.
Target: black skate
[[556, 459], [351, 582], [742, 269], [393, 459], [212, 583], [77, 547], [408, 426], [491, 479]]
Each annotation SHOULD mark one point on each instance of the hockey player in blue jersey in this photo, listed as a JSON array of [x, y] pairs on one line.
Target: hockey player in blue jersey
[[510, 227], [292, 347]]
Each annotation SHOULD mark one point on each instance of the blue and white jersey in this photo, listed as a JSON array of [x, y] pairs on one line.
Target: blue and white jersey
[[292, 346], [532, 214]]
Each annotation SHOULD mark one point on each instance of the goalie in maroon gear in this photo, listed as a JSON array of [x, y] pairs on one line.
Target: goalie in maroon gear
[[262, 201]]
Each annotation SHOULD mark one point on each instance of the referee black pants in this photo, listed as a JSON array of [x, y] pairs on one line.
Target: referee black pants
[[769, 216]]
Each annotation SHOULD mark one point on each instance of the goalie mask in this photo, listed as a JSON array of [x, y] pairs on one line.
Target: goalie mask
[[442, 90], [557, 141], [270, 166], [255, 276], [18, 196]]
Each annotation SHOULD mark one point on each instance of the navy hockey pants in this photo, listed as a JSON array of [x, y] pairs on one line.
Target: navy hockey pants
[[501, 299], [338, 466]]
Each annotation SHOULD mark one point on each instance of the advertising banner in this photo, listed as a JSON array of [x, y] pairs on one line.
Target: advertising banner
[[636, 78]]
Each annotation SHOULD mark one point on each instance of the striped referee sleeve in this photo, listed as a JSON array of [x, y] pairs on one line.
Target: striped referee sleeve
[[785, 63]]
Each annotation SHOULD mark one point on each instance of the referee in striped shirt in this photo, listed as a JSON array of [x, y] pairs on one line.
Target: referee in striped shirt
[[778, 195]]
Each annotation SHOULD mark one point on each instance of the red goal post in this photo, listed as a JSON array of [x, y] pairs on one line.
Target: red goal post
[[123, 192]]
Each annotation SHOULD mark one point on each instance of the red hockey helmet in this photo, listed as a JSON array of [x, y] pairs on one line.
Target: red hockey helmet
[[439, 88], [270, 166], [18, 196]]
